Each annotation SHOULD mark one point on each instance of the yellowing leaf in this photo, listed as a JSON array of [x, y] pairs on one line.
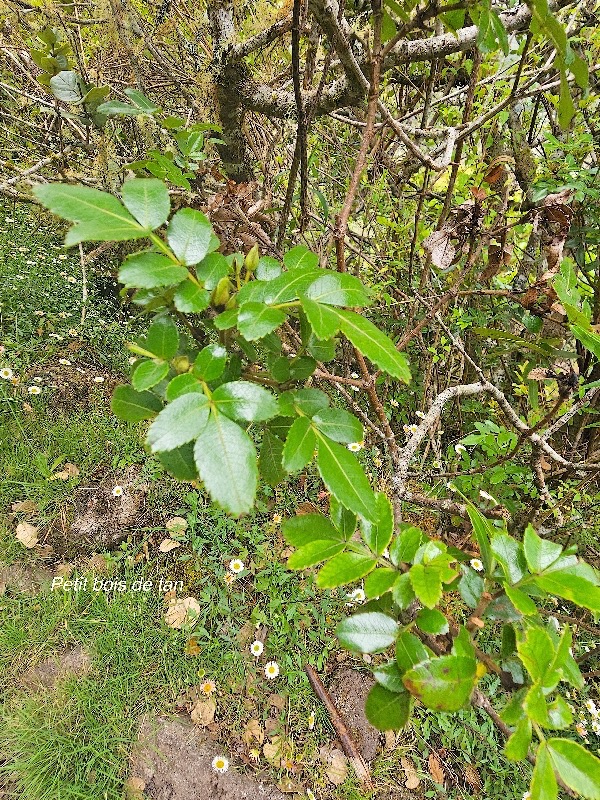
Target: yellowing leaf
[[273, 751], [134, 789], [182, 612], [24, 507], [27, 534], [167, 545], [435, 769], [203, 713], [176, 525], [68, 471]]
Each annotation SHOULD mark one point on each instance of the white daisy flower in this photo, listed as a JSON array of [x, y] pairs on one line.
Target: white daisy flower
[[220, 764], [65, 362], [355, 388], [354, 447], [256, 648], [277, 519], [117, 491], [394, 403], [6, 373], [98, 379], [591, 707], [34, 390], [460, 448], [420, 415], [71, 279], [208, 687], [271, 670], [476, 564], [72, 332], [410, 429], [236, 566], [311, 720]]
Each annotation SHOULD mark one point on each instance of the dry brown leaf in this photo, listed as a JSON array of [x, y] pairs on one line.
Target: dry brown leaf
[[412, 779], [168, 544], [273, 751], [440, 248], [203, 713], [253, 732], [27, 534], [176, 525], [182, 612], [246, 633], [277, 701], [337, 769], [134, 789], [64, 570], [192, 648], [435, 769], [272, 726], [25, 507], [307, 508], [472, 777], [68, 471], [390, 740]]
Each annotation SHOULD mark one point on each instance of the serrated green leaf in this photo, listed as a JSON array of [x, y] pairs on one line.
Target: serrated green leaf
[[543, 782], [180, 462], [182, 384], [256, 320], [132, 406], [344, 568], [189, 235], [374, 344], [212, 269], [268, 269], [269, 460], [509, 553], [304, 401], [517, 746], [369, 632], [210, 362], [402, 591], [299, 445], [337, 289], [339, 425], [189, 298], [147, 199], [521, 601], [377, 535], [569, 584], [289, 285], [426, 583], [314, 552], [148, 374], [410, 651], [98, 216], [406, 544], [432, 621], [540, 553], [343, 476], [380, 581], [470, 586], [180, 422], [442, 684], [305, 528], [389, 676], [226, 460], [577, 767], [245, 401], [150, 271], [162, 339], [387, 710], [324, 322], [301, 257]]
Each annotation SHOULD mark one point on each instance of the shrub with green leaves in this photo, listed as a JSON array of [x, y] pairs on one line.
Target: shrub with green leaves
[[225, 368]]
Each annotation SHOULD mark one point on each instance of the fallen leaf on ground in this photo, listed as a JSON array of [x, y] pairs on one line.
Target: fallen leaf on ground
[[134, 789], [277, 701], [203, 713], [337, 770], [412, 779], [435, 769], [64, 570], [273, 751], [472, 777], [176, 525], [27, 534], [167, 545], [182, 612], [287, 785], [390, 740], [68, 471], [192, 647], [253, 731], [25, 507]]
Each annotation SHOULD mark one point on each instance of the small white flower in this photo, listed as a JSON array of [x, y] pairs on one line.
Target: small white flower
[[354, 375], [271, 670], [394, 403], [277, 518], [256, 648], [581, 730], [357, 595], [62, 257], [220, 764], [6, 373], [98, 379], [355, 388], [460, 448], [38, 380], [451, 487], [208, 687], [436, 464], [354, 447], [65, 362], [311, 720], [236, 566], [71, 279], [131, 360], [39, 313], [117, 491], [34, 390], [596, 726], [476, 564], [591, 707], [410, 429], [420, 415]]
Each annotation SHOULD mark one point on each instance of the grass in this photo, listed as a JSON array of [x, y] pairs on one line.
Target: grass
[[73, 742]]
